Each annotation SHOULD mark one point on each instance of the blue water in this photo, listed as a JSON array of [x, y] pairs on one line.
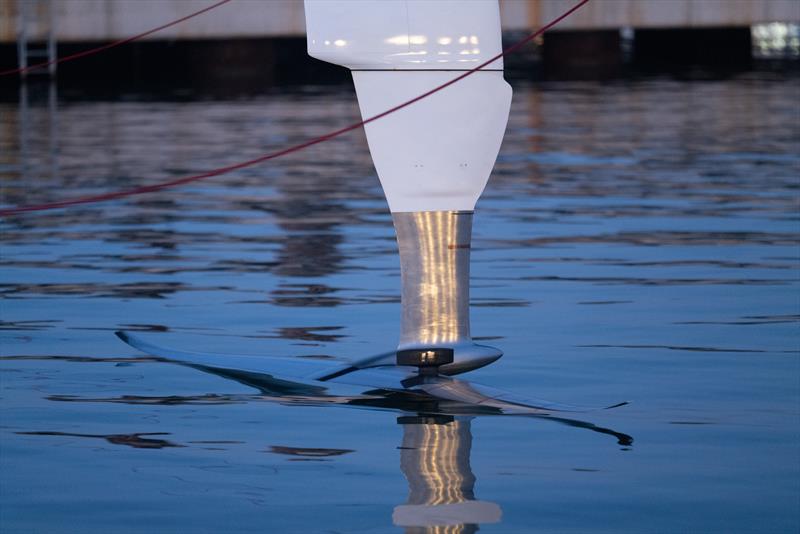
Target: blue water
[[637, 242]]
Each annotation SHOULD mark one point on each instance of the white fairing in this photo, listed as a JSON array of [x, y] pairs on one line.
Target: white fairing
[[404, 34], [437, 153]]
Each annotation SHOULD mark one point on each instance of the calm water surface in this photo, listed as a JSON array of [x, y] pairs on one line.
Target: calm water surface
[[637, 242]]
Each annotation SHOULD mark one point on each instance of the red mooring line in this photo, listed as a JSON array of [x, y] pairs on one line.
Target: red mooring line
[[126, 40], [295, 148]]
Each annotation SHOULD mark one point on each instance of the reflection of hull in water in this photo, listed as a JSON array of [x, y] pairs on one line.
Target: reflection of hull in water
[[379, 385]]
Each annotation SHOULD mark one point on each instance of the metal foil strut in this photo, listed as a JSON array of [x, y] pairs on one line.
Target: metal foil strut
[[434, 262]]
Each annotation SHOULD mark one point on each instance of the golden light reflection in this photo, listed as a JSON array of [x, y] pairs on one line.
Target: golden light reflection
[[434, 255], [438, 470], [435, 459]]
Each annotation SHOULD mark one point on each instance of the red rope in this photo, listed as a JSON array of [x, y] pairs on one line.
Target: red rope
[[93, 51], [330, 135]]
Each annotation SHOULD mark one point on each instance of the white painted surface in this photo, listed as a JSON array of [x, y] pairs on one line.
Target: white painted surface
[[438, 153], [404, 34]]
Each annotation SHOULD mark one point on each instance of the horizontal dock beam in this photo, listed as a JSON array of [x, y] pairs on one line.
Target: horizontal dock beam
[[107, 20]]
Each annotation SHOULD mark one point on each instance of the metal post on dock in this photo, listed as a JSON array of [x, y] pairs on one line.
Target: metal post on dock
[[36, 37]]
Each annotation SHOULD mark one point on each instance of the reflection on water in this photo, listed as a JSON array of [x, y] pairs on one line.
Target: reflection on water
[[434, 458], [637, 241], [656, 154], [434, 453], [446, 398], [311, 224], [307, 452], [131, 440]]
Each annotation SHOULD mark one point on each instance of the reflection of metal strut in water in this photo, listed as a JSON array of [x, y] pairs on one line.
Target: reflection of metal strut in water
[[435, 459]]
